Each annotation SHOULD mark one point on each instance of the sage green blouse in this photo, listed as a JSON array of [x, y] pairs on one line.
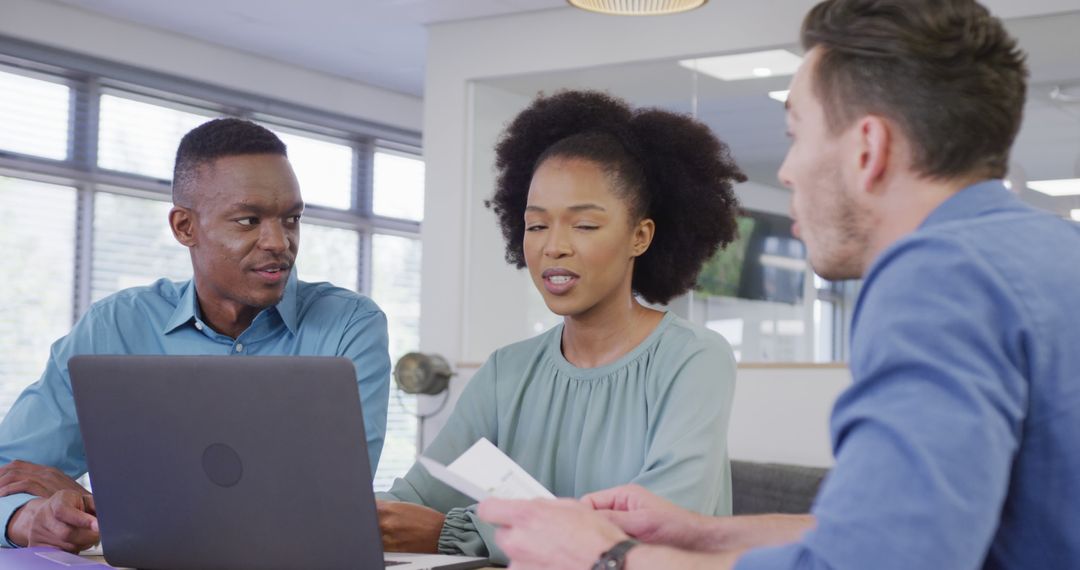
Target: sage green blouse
[[657, 417]]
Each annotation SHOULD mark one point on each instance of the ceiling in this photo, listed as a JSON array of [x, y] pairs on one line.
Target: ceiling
[[742, 114], [382, 43]]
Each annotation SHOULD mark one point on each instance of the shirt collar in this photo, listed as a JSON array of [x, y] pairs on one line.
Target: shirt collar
[[971, 202], [286, 307], [187, 309]]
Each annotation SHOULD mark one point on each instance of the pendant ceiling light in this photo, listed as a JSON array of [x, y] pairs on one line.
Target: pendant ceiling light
[[637, 7]]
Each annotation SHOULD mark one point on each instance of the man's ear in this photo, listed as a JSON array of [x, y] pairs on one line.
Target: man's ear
[[875, 141], [643, 235], [182, 222]]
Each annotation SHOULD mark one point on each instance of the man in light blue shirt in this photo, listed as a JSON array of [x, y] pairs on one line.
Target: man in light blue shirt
[[237, 209], [958, 445]]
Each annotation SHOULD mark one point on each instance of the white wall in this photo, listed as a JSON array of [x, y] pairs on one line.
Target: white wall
[[781, 413], [84, 32]]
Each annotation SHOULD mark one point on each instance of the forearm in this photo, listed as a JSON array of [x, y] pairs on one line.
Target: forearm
[[17, 524], [647, 557], [9, 507], [721, 541], [752, 531]]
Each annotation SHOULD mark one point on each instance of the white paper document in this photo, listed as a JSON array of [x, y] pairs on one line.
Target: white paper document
[[485, 471]]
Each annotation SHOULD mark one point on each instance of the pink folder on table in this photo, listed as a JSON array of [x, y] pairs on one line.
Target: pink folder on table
[[45, 558]]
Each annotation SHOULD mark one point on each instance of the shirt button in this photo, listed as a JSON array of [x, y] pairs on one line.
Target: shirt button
[[198, 325], [239, 347]]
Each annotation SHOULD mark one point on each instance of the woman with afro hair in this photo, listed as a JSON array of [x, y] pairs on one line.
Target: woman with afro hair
[[603, 204]]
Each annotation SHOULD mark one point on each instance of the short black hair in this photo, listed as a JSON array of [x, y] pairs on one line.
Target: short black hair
[[946, 71], [668, 166], [217, 139]]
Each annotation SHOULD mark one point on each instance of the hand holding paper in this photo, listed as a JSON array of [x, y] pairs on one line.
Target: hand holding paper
[[484, 471]]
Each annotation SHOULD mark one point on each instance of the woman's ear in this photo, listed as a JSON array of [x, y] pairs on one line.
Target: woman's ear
[[643, 235]]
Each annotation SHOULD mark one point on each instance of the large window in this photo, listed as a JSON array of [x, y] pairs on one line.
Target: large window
[[35, 114], [85, 168], [396, 285], [141, 137], [399, 186], [35, 300]]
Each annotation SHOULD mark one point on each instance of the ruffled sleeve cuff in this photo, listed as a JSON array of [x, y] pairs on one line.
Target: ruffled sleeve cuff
[[459, 534]]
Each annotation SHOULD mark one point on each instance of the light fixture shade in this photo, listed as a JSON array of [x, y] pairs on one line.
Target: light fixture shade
[[637, 7], [418, 373]]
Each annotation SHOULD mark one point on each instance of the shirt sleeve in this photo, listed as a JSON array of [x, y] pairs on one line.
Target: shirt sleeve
[[365, 341], [925, 438], [41, 427], [474, 416], [686, 457]]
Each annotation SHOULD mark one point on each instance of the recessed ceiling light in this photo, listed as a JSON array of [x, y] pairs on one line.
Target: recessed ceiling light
[[780, 96], [1063, 187], [752, 65], [637, 7], [1075, 214]]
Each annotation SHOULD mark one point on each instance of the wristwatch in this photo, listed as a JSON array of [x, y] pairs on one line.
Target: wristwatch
[[615, 559]]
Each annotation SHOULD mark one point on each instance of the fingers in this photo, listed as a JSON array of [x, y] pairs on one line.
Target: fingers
[[621, 498], [24, 477], [75, 517], [23, 486], [62, 523], [17, 464]]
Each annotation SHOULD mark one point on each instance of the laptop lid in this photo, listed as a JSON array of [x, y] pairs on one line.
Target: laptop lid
[[227, 461]]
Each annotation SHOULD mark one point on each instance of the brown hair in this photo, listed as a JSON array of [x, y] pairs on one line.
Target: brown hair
[[946, 71]]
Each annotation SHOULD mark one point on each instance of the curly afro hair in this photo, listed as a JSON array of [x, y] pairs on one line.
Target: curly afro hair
[[667, 166]]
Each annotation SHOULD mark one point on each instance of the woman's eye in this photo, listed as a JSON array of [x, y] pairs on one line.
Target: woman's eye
[[586, 227], [535, 228]]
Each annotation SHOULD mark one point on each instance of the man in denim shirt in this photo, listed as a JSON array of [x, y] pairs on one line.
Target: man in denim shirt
[[958, 446], [237, 208]]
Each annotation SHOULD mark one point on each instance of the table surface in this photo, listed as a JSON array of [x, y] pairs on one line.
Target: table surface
[[101, 559]]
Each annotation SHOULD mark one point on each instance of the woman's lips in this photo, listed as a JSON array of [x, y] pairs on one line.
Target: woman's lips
[[559, 281]]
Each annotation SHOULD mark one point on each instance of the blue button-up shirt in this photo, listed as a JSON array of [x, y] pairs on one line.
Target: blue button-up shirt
[[958, 445], [312, 319]]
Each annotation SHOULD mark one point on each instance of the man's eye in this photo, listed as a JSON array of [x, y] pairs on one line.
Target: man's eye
[[293, 219], [247, 221]]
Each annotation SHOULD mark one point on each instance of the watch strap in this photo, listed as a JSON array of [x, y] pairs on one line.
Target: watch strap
[[615, 558]]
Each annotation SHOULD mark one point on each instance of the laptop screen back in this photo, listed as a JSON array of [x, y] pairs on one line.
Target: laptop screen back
[[227, 461]]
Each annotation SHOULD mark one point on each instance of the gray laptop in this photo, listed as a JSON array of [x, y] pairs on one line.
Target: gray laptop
[[232, 462]]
